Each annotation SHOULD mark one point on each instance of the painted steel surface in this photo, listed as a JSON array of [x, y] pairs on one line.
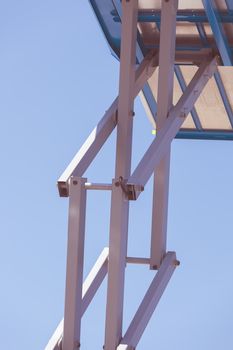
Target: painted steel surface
[[202, 25]]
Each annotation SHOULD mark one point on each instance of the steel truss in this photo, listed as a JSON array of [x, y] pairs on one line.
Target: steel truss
[[127, 186]]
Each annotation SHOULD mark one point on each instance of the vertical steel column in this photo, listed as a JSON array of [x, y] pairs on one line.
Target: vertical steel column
[[74, 269], [146, 92], [165, 99], [119, 203]]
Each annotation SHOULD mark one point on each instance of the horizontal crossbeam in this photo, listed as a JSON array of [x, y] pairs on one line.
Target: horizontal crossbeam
[[101, 132], [98, 187], [194, 57], [139, 261], [225, 135], [193, 16], [90, 287], [182, 83], [170, 128]]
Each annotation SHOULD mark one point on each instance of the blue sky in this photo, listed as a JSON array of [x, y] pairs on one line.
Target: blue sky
[[57, 78]]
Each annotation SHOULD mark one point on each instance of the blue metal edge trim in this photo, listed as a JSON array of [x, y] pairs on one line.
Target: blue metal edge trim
[[218, 31], [186, 17], [205, 135], [113, 44]]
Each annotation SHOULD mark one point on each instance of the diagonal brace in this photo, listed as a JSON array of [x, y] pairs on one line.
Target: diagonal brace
[[102, 131], [170, 128], [165, 103], [118, 236], [149, 303], [90, 287]]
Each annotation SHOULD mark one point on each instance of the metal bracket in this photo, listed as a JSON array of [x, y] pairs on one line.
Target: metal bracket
[[131, 191]]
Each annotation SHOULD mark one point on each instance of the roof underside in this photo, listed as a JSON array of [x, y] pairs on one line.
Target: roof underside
[[202, 26]]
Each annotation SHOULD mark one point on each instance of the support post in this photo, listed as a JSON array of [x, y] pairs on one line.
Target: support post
[[165, 99], [146, 92], [74, 267], [119, 203]]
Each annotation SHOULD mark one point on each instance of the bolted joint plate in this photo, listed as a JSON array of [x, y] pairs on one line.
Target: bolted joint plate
[[133, 191], [63, 188]]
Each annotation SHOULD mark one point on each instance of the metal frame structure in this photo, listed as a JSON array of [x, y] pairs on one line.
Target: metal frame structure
[[135, 71], [188, 52]]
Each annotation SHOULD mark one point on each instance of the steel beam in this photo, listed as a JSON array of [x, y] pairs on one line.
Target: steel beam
[[181, 57], [191, 16], [146, 91], [55, 342], [94, 279], [98, 187], [160, 211], [101, 132], [219, 35], [89, 150], [183, 86], [171, 126], [225, 135], [74, 267], [165, 99], [145, 70], [119, 204], [149, 303], [90, 287], [139, 261], [194, 57]]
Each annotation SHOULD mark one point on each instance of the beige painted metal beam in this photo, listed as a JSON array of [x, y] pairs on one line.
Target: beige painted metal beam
[[165, 100], [119, 203]]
